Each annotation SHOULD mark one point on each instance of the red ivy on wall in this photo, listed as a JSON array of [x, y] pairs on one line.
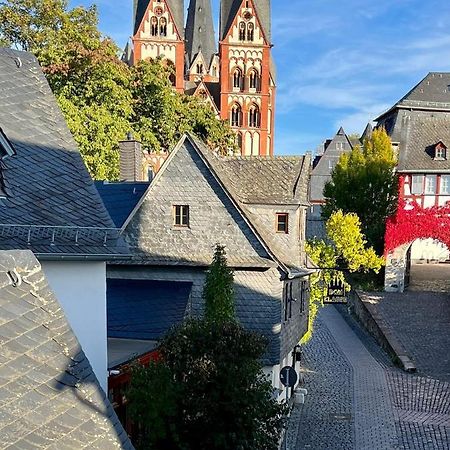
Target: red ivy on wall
[[416, 222]]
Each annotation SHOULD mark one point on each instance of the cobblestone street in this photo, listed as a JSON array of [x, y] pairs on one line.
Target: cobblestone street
[[357, 400]]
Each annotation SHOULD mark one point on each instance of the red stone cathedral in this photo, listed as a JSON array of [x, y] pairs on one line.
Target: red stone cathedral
[[238, 80]]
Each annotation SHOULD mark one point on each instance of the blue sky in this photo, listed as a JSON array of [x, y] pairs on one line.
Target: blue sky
[[339, 62]]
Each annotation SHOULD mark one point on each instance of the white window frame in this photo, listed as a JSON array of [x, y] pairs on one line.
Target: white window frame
[[427, 190], [445, 181], [415, 183]]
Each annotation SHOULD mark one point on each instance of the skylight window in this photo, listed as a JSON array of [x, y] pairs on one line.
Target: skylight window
[[6, 148]]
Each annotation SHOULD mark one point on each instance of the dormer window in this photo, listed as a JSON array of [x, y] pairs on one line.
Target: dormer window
[[440, 153], [6, 148]]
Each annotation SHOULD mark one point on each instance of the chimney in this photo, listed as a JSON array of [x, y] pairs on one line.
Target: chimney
[[130, 159]]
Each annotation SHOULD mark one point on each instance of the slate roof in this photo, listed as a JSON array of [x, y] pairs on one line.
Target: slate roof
[[49, 395], [121, 198], [200, 31], [144, 309], [276, 180], [229, 9], [325, 164], [419, 137], [433, 92], [176, 8], [51, 204]]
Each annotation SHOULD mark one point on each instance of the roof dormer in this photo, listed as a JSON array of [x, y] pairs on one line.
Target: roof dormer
[[440, 151]]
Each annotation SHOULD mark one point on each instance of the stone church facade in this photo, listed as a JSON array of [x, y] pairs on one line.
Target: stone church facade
[[237, 79]]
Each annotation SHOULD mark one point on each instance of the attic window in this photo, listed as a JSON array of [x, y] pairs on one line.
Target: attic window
[[440, 152], [282, 223], [181, 216], [6, 148]]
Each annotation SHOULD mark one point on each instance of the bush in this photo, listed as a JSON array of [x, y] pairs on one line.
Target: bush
[[207, 392]]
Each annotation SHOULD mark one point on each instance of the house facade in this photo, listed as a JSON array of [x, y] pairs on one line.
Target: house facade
[[322, 168], [49, 204], [256, 208], [419, 127], [238, 79]]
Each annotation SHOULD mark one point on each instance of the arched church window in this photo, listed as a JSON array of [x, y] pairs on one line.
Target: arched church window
[[242, 30], [200, 68], [238, 79], [254, 80], [214, 71], [154, 26], [250, 32], [236, 115], [163, 27], [254, 117]]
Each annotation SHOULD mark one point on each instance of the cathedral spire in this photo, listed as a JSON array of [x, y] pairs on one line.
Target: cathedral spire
[[200, 31], [230, 8]]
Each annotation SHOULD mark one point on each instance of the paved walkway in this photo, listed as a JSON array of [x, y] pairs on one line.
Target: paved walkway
[[421, 322], [358, 401], [430, 277]]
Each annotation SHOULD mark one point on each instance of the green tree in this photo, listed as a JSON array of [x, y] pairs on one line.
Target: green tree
[[364, 182], [220, 398], [347, 248], [218, 292], [101, 97]]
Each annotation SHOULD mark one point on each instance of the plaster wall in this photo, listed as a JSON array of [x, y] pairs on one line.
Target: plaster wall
[[81, 289]]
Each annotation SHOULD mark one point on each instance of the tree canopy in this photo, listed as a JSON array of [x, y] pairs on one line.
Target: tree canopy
[[364, 183], [101, 97], [346, 249]]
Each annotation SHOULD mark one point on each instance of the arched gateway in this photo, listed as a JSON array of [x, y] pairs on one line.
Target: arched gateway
[[417, 244]]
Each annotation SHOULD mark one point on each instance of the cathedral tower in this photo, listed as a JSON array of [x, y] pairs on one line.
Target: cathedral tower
[[159, 33], [247, 72], [202, 61]]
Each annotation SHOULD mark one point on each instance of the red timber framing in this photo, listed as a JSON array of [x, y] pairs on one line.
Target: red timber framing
[[426, 189]]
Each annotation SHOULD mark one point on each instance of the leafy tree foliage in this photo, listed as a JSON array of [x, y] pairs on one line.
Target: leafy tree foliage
[[218, 291], [364, 183], [346, 248], [101, 97], [207, 391]]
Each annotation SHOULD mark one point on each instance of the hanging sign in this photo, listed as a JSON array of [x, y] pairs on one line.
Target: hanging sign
[[336, 291]]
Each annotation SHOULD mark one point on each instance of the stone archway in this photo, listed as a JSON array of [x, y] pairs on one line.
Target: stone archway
[[420, 265]]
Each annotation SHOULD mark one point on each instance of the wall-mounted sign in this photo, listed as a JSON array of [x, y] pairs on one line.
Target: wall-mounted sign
[[336, 291]]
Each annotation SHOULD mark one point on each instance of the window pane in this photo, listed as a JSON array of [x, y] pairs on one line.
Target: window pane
[[417, 184], [181, 215], [282, 223], [430, 184], [445, 184]]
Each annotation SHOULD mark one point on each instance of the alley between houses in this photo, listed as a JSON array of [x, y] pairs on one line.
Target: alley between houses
[[357, 399]]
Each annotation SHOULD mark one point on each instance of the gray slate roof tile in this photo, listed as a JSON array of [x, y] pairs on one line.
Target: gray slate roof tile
[[420, 134], [48, 393], [46, 182]]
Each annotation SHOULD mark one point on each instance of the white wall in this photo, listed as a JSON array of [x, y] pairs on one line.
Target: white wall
[[81, 289], [273, 375], [429, 249]]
